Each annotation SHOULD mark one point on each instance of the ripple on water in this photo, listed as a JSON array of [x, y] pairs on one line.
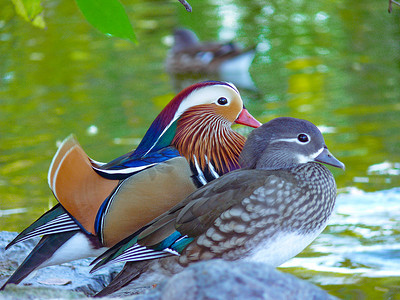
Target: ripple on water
[[362, 239]]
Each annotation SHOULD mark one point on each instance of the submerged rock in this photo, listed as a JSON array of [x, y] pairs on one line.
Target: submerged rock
[[215, 279]]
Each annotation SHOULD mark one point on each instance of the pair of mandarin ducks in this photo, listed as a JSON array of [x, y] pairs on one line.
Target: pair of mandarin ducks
[[193, 190]]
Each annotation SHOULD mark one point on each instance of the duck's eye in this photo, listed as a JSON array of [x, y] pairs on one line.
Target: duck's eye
[[222, 101], [304, 138]]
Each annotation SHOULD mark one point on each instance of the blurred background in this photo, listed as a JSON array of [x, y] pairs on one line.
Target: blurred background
[[335, 63]]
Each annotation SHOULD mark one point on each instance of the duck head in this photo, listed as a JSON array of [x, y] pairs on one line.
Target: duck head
[[198, 123], [286, 142]]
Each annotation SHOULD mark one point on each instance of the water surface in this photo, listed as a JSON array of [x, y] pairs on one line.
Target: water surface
[[335, 63]]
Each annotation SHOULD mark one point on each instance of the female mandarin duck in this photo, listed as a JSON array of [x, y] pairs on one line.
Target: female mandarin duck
[[268, 211], [189, 144], [189, 55]]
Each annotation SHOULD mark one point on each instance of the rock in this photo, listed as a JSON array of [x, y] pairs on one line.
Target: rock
[[14, 292], [72, 276], [215, 279], [221, 280]]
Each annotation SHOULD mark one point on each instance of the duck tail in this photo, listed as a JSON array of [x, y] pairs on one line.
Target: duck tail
[[39, 255]]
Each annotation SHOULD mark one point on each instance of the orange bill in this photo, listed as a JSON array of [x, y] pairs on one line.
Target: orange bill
[[245, 118]]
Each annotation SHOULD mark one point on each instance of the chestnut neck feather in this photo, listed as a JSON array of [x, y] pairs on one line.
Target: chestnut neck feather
[[203, 133]]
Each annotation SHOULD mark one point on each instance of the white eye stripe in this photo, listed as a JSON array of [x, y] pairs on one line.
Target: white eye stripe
[[230, 84], [285, 140], [291, 140], [206, 95], [197, 97]]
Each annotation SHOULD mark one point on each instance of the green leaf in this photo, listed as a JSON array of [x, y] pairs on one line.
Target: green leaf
[[31, 11], [108, 16]]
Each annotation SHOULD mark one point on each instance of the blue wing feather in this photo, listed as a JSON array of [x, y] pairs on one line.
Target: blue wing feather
[[126, 166], [130, 250]]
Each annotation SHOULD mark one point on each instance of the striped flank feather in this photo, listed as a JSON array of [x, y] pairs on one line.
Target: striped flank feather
[[54, 221]]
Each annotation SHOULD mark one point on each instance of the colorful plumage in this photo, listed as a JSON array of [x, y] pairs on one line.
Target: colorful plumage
[[268, 211], [189, 144]]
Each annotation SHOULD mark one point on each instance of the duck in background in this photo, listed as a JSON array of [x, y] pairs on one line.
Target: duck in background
[[189, 59], [189, 144], [268, 211]]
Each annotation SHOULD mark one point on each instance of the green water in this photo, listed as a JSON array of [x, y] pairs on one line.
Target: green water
[[335, 63]]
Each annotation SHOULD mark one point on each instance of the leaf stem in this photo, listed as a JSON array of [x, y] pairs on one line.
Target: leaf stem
[[186, 5], [390, 5]]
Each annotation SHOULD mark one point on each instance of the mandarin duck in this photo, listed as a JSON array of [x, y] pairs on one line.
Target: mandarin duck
[[189, 144], [189, 55], [267, 211]]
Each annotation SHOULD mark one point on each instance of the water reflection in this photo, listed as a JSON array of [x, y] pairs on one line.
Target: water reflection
[[190, 60]]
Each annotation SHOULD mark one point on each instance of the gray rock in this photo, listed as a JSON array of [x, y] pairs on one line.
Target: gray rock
[[215, 279], [14, 292], [72, 276], [221, 280]]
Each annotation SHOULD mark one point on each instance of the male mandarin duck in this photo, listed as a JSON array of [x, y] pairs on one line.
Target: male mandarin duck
[[189, 144], [189, 55], [268, 211]]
